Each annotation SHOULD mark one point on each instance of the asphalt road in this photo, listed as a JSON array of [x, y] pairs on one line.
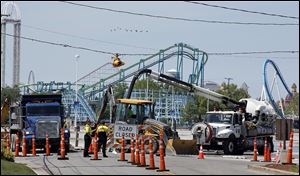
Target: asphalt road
[[187, 165], [213, 164]]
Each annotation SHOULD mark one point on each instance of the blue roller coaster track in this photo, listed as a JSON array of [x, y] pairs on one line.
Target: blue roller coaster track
[[267, 88]]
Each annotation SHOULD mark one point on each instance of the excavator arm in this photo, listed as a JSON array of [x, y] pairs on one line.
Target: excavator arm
[[108, 97]]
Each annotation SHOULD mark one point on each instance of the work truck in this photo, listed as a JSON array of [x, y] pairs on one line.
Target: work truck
[[38, 115], [231, 131]]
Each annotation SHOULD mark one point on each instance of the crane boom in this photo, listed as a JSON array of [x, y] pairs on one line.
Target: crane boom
[[186, 86]]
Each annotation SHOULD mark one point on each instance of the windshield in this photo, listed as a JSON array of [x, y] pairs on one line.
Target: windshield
[[135, 114], [43, 110], [219, 118]]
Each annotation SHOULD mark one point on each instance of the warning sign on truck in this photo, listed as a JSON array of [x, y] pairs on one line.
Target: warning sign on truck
[[127, 130]]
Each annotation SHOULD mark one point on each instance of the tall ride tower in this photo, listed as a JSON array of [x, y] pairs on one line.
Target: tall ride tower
[[10, 13]]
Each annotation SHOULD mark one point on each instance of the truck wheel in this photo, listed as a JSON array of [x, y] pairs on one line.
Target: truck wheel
[[13, 142], [154, 143], [230, 146]]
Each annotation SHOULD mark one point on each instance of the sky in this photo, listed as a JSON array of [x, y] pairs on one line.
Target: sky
[[55, 63]]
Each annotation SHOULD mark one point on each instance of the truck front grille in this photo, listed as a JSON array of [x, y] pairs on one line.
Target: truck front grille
[[49, 127], [214, 132]]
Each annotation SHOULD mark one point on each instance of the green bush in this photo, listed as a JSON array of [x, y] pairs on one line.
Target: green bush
[[7, 155]]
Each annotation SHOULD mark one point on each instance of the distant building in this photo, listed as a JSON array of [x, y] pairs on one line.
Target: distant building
[[211, 86]]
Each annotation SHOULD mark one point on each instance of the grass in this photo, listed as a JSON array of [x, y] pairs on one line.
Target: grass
[[294, 168], [11, 168], [286, 167]]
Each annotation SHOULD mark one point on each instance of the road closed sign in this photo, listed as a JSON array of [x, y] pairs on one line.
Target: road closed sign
[[127, 130]]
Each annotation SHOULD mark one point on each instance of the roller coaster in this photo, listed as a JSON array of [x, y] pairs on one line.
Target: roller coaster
[[267, 90], [93, 84]]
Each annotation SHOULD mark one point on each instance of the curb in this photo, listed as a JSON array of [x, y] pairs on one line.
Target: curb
[[261, 168]]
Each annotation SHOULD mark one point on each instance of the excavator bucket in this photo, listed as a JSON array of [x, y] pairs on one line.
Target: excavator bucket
[[181, 147]]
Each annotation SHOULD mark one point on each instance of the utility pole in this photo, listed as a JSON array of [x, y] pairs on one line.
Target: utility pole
[[228, 81], [76, 101]]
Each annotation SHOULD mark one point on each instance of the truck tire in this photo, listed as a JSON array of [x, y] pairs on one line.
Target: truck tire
[[230, 146], [13, 142], [154, 143]]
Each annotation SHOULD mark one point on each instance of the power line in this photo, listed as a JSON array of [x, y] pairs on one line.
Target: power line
[[137, 54], [253, 52], [242, 10], [179, 18], [85, 38], [261, 57], [75, 47], [59, 44]]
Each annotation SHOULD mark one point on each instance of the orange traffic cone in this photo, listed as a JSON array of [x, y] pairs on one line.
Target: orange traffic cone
[[131, 151], [17, 145], [162, 166], [201, 154], [265, 151], [91, 149], [7, 142], [95, 147], [290, 150], [24, 152], [33, 146], [137, 154], [151, 156], [47, 145], [143, 157], [254, 150], [62, 147], [122, 154]]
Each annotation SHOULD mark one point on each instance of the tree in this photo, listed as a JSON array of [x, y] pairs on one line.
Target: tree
[[13, 94], [233, 91], [196, 107], [191, 112], [142, 84], [293, 106], [119, 90]]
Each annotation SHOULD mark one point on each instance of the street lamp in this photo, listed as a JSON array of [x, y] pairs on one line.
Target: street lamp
[[76, 100], [228, 81]]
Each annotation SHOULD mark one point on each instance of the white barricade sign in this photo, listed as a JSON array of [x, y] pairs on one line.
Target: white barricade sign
[[127, 130]]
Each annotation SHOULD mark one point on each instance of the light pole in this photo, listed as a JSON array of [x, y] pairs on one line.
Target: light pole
[[76, 100], [228, 80]]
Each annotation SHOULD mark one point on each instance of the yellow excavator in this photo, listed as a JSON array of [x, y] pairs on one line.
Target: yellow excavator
[[143, 117]]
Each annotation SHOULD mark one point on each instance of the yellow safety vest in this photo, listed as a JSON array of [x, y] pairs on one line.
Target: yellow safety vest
[[102, 128], [87, 129]]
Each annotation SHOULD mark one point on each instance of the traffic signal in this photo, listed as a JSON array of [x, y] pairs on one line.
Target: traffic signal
[[117, 61]]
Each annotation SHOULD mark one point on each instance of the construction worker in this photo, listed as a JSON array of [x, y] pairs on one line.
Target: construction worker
[[198, 135], [66, 124], [87, 138], [130, 116], [102, 131]]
